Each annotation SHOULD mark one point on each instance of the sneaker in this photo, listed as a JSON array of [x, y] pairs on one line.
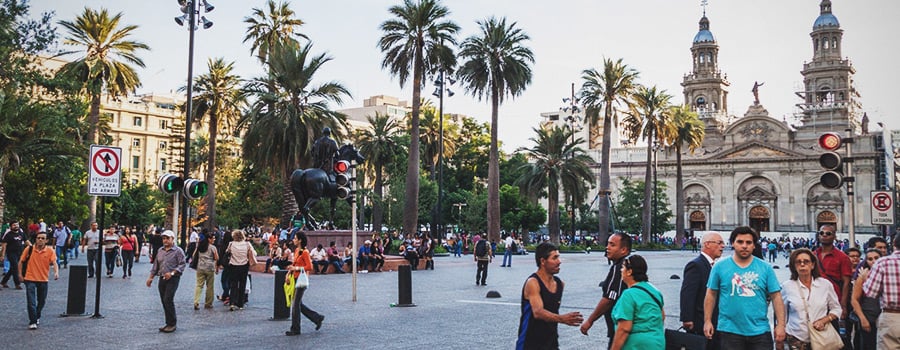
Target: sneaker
[[4, 285], [291, 333], [32, 326], [38, 322], [19, 287], [196, 306], [208, 306]]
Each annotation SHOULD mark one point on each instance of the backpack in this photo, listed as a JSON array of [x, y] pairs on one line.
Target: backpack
[[514, 247], [481, 249]]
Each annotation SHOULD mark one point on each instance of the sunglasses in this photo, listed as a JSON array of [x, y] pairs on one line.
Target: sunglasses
[[826, 233]]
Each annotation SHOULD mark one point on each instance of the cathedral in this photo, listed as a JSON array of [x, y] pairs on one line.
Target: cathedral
[[755, 170]]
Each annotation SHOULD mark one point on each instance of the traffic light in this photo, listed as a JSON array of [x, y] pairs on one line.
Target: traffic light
[[342, 179], [170, 183], [831, 160], [195, 189]]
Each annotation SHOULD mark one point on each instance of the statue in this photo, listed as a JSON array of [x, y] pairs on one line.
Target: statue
[[755, 91], [323, 151], [865, 124], [311, 185]]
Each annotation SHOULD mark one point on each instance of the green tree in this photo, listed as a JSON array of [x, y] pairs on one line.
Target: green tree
[[266, 30], [106, 64], [430, 137], [251, 197], [138, 205], [379, 143], [497, 64], [557, 161], [413, 42], [606, 91], [630, 204], [279, 138], [648, 116], [218, 101], [684, 130]]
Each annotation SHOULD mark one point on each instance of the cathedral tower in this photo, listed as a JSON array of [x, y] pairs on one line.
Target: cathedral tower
[[706, 88], [830, 100]]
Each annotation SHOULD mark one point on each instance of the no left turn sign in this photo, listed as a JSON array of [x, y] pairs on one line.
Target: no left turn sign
[[104, 172]]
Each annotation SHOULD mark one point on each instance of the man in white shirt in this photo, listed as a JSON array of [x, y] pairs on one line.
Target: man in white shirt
[[507, 256], [91, 242], [319, 258]]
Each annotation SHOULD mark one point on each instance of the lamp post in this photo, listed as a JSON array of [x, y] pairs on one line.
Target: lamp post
[[439, 89], [656, 148], [190, 9], [459, 213], [572, 118]]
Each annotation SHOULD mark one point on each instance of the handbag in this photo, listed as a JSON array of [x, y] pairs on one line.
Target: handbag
[[289, 289], [194, 260], [302, 280], [826, 339], [118, 260], [676, 340]]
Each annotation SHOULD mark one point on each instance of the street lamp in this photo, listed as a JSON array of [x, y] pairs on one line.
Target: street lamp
[[458, 213], [656, 148], [439, 89], [190, 9], [573, 110]]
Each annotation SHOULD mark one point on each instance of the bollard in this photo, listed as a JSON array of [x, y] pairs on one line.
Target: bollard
[[404, 274], [280, 311], [77, 291]]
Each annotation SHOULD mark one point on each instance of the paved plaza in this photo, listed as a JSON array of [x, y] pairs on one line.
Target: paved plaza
[[451, 312]]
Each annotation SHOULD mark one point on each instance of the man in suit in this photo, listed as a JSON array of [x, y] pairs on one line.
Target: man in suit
[[693, 286]]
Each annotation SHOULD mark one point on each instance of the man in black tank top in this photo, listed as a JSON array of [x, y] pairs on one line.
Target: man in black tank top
[[541, 297]]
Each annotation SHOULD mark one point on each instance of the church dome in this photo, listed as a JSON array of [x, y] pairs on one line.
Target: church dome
[[826, 20], [704, 36]]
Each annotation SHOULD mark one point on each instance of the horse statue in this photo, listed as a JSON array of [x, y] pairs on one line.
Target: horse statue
[[311, 185]]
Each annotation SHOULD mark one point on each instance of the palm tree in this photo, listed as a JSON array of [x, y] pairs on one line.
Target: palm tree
[[379, 143], [685, 129], [217, 96], [607, 91], [106, 64], [430, 137], [267, 29], [647, 118], [556, 160], [280, 138], [414, 41], [497, 64]]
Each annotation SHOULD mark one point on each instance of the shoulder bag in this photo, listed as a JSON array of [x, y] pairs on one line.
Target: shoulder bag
[[826, 339], [676, 340], [27, 258]]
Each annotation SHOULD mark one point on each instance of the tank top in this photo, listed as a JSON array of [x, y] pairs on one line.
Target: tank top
[[535, 333]]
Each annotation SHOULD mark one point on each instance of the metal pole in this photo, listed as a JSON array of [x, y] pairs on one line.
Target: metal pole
[[655, 198], [851, 228], [187, 118], [353, 229], [175, 208], [440, 160], [572, 158], [99, 259]]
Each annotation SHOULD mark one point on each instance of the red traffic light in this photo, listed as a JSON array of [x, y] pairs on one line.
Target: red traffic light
[[830, 141], [341, 166]]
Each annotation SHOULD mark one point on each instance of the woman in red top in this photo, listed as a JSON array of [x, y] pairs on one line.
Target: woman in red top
[[301, 260], [128, 243]]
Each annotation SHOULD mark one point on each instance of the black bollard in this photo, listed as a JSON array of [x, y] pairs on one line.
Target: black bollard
[[77, 291], [404, 273], [280, 310]]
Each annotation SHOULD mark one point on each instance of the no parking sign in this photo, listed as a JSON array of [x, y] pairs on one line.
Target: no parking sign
[[105, 171], [882, 208]]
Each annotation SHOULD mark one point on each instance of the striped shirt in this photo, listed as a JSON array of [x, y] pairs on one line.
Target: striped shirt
[[883, 282]]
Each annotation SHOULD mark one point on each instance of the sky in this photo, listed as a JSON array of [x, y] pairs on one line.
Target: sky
[[760, 40]]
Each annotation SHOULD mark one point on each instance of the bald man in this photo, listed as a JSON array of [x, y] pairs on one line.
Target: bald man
[[693, 287]]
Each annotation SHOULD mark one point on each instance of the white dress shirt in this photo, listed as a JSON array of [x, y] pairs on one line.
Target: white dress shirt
[[822, 300]]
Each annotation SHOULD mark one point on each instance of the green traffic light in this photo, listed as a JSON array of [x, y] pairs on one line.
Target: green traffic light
[[199, 189]]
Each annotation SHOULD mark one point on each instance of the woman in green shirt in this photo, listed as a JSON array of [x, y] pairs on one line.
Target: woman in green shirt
[[639, 312]]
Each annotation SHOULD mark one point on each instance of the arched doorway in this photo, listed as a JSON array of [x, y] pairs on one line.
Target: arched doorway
[[698, 221], [826, 217], [759, 218]]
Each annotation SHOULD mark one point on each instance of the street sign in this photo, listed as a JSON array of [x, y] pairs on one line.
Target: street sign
[[105, 171], [882, 208]]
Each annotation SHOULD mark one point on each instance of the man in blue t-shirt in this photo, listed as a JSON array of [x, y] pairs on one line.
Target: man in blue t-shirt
[[739, 285]]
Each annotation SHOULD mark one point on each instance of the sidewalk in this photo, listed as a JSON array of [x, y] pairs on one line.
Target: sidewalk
[[450, 309]]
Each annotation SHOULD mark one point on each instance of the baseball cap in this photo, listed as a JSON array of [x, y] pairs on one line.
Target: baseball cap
[[169, 233], [368, 242]]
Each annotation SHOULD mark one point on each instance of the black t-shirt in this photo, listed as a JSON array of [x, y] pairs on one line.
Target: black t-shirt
[[612, 289], [539, 334], [15, 241]]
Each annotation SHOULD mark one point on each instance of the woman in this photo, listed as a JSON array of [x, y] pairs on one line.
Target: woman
[[110, 249], [207, 269], [809, 300], [274, 254], [242, 256], [639, 312], [865, 309], [301, 261], [128, 245], [427, 252], [348, 254], [377, 261]]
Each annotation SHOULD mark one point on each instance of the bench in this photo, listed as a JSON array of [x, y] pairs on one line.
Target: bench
[[391, 263]]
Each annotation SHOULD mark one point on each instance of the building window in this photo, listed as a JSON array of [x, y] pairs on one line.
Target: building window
[[163, 124], [162, 164], [138, 121], [135, 162], [162, 144], [136, 142]]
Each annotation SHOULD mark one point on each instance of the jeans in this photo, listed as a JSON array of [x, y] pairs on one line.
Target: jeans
[[167, 290], [481, 273], [338, 265], [323, 264], [298, 308], [91, 261], [756, 342], [238, 282], [225, 280], [110, 261], [507, 257], [75, 249], [36, 292], [62, 256], [208, 279], [363, 263], [127, 262], [13, 258]]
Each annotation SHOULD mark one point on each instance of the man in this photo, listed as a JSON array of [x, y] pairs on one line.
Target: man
[[483, 256], [617, 248], [739, 287], [37, 261], [835, 266], [323, 151], [319, 259], [693, 287], [883, 283], [193, 238], [42, 226], [507, 255], [168, 265], [61, 235], [76, 240], [364, 253], [541, 297], [13, 243], [156, 242], [91, 242]]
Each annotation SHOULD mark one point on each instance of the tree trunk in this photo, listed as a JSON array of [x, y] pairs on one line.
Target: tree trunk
[[378, 202], [553, 220], [92, 136], [411, 200], [679, 195], [604, 192], [647, 214], [211, 171], [493, 205], [289, 205]]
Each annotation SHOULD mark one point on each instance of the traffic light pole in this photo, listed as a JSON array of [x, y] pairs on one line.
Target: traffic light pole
[[353, 226], [851, 228], [175, 209]]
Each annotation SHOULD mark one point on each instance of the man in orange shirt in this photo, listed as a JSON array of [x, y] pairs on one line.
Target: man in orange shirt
[[37, 260]]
